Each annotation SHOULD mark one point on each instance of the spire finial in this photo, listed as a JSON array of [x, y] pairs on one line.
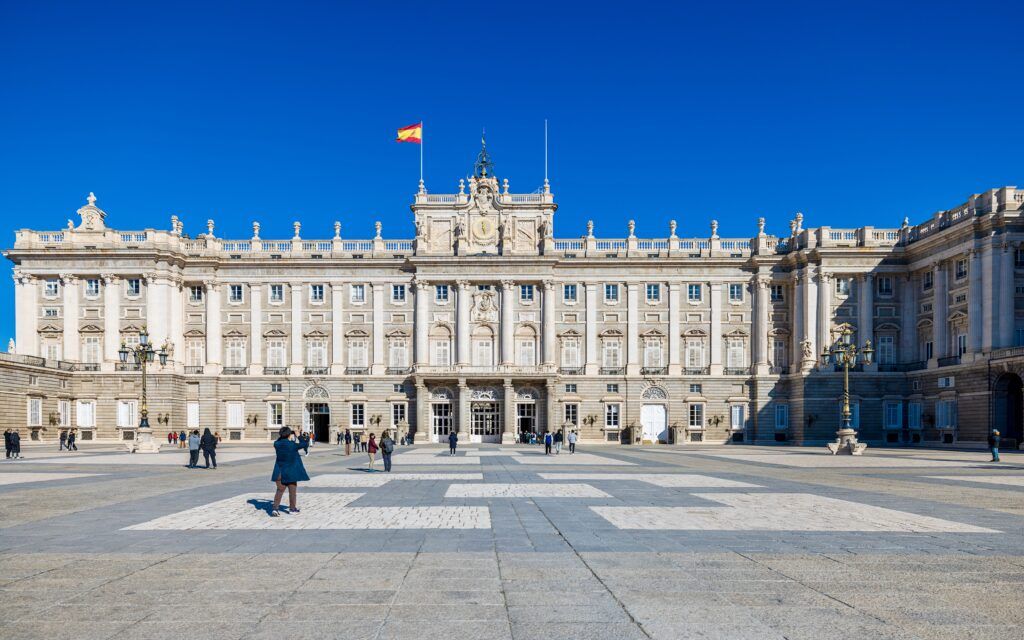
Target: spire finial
[[483, 163], [91, 199]]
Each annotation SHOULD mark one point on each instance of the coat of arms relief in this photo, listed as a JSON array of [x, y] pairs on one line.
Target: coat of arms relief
[[485, 306]]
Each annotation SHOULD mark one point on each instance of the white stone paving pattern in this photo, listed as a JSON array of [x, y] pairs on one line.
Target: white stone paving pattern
[[512, 490], [380, 479], [779, 512], [1013, 481], [657, 479], [824, 459], [177, 457], [582, 459], [319, 511], [435, 460], [16, 477]]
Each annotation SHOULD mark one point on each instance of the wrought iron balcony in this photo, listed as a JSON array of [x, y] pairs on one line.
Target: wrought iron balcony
[[236, 371], [398, 371], [127, 366], [88, 366], [736, 371], [275, 371], [613, 371], [696, 371], [316, 371], [194, 370], [571, 371], [357, 371], [949, 361], [654, 371]]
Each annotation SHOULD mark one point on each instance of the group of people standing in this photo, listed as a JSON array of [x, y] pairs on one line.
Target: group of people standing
[[67, 440], [206, 443], [12, 444], [557, 439], [180, 439]]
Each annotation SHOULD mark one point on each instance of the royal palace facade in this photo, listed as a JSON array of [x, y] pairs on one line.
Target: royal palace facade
[[486, 324]]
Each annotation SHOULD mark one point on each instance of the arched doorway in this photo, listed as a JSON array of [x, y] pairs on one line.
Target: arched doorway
[[317, 414], [1008, 397]]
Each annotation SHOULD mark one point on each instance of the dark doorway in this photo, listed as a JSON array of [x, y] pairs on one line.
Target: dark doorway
[[320, 421], [1008, 397]]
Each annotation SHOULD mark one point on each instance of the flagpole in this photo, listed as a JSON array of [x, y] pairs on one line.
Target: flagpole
[[421, 152], [545, 149]]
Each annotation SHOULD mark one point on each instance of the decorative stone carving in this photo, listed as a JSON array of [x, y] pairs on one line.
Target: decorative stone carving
[[714, 229], [92, 216], [760, 226], [337, 230], [255, 231], [441, 393], [485, 307], [484, 393], [655, 393], [209, 228], [377, 226], [297, 226]]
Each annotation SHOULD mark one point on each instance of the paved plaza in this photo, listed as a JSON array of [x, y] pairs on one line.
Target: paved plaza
[[504, 542]]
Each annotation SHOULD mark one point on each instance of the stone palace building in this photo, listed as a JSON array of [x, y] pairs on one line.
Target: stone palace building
[[487, 324]]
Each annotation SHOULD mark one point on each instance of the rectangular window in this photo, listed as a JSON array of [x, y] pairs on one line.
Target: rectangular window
[[398, 356], [235, 293], [442, 352], [884, 285], [235, 353], [134, 287], [694, 292], [276, 387], [195, 352], [569, 292], [357, 353], [781, 416], [527, 350], [358, 414], [52, 349], [886, 350], [192, 415], [927, 280], [570, 388], [441, 293], [929, 350], [778, 353], [778, 293], [92, 288], [235, 417], [483, 287], [570, 353], [195, 293], [64, 413], [85, 413], [893, 415], [842, 286], [653, 292], [127, 413], [398, 293], [275, 414], [696, 416], [694, 353], [612, 351], [52, 288], [526, 293], [736, 354], [735, 292], [612, 414], [358, 387], [737, 419], [696, 388], [277, 293], [357, 293], [611, 293], [483, 352], [1018, 337], [961, 269], [276, 354], [399, 412], [51, 312], [91, 352], [571, 414], [652, 354], [316, 353], [316, 293], [611, 388], [961, 344], [914, 415]]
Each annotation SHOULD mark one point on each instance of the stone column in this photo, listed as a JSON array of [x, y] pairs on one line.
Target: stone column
[[593, 356], [177, 292], [111, 321], [975, 314], [761, 346], [507, 322], [674, 351], [337, 329], [462, 328], [866, 330], [908, 321], [378, 329], [256, 328], [214, 350], [422, 414], [632, 329], [811, 312], [462, 423], [1007, 293], [797, 321], [549, 323], [824, 340], [72, 343], [508, 426], [296, 360], [156, 309], [26, 341], [940, 306], [422, 321], [989, 297], [715, 289], [551, 405]]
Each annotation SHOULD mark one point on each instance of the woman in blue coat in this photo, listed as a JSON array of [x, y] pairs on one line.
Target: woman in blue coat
[[288, 471]]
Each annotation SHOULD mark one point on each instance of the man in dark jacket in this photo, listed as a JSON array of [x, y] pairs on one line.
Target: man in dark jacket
[[7, 442], [993, 444], [63, 439], [208, 445], [453, 441], [15, 444], [348, 442], [548, 440], [304, 442], [72, 436], [387, 447]]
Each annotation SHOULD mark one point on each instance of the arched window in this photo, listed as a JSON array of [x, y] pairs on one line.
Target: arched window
[[441, 346], [526, 346], [483, 346]]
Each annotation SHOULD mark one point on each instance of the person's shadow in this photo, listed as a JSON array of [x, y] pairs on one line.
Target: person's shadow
[[261, 504]]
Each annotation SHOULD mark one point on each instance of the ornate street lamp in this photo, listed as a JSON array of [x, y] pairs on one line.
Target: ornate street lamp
[[142, 354], [845, 354]]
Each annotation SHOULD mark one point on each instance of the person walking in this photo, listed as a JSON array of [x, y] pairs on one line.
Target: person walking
[[182, 439], [547, 442], [453, 442], [174, 437], [993, 444], [63, 440], [208, 444], [193, 449], [7, 443], [15, 444], [355, 442], [288, 472], [572, 442], [170, 438], [216, 434], [348, 442], [558, 442], [72, 437], [371, 450], [387, 447]]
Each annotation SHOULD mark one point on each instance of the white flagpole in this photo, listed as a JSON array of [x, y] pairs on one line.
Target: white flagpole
[[421, 151], [545, 149]]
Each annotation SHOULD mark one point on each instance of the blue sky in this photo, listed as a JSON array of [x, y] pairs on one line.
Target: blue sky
[[859, 114]]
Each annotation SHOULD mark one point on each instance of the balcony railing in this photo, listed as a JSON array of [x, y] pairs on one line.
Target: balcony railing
[[571, 371], [736, 371], [1009, 352], [654, 371], [236, 371], [696, 371], [398, 371], [357, 371], [949, 361], [613, 371], [316, 371], [127, 366], [87, 366], [275, 371], [193, 370]]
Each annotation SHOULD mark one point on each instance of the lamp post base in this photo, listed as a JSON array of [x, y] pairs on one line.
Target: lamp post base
[[846, 443], [144, 442]]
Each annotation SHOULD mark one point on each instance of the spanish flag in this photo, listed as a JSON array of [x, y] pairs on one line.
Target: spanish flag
[[412, 133]]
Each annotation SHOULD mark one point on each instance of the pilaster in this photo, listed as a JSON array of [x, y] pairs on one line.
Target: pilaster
[[111, 321], [715, 293], [214, 349], [674, 351], [337, 329], [378, 328], [593, 357], [507, 322], [462, 328], [549, 323], [72, 342], [632, 329], [296, 332], [256, 328]]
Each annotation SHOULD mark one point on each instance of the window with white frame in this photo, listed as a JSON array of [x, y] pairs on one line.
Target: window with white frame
[[357, 353], [694, 353], [399, 413], [64, 412], [441, 347], [192, 414], [778, 293], [961, 344], [526, 349], [737, 417], [277, 293], [611, 293], [570, 352], [929, 350], [570, 388], [133, 287], [914, 415], [195, 293], [51, 288], [127, 413], [612, 415], [571, 414], [886, 349], [235, 415], [357, 293], [235, 293], [316, 352], [612, 352], [569, 293], [653, 292], [92, 349], [781, 416], [884, 285], [526, 293], [483, 351], [275, 414], [893, 412], [696, 388], [441, 293], [611, 387], [92, 288], [316, 293], [277, 354], [842, 286], [735, 292], [961, 269], [398, 353], [779, 352], [235, 353], [52, 348], [736, 352], [85, 413], [51, 312], [695, 414], [652, 353], [945, 414], [694, 292], [398, 293], [358, 414], [358, 387], [195, 352]]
